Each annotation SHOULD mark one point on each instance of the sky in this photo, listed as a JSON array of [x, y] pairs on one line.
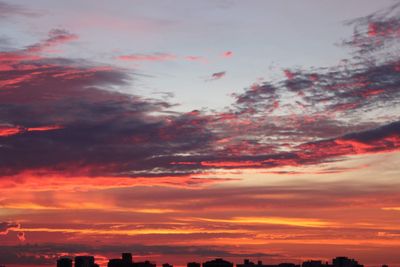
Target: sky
[[188, 130]]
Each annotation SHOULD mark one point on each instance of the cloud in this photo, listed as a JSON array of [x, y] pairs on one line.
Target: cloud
[[227, 54], [89, 125], [218, 75], [19, 60], [7, 10], [7, 130], [5, 227], [135, 165], [56, 37], [74, 180], [148, 57], [375, 32], [382, 139], [297, 222], [21, 236], [81, 126], [160, 57], [212, 218], [196, 59]]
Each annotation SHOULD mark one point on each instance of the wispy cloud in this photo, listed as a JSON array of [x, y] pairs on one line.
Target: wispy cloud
[[8, 10], [5, 227], [227, 54], [148, 57], [217, 75]]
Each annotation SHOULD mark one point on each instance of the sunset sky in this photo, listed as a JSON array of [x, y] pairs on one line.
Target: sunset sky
[[187, 130]]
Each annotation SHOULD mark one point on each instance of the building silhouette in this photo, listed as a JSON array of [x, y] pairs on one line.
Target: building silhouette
[[64, 262], [127, 261], [143, 264], [345, 262], [193, 264], [85, 261], [286, 264], [313, 263], [246, 263], [115, 263], [218, 263]]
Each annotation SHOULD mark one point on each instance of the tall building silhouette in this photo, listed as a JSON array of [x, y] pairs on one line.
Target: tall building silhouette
[[84, 261], [64, 262], [127, 259]]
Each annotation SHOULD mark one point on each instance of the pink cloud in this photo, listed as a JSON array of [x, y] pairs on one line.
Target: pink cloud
[[290, 75], [56, 37], [227, 54], [196, 59], [21, 236], [148, 57]]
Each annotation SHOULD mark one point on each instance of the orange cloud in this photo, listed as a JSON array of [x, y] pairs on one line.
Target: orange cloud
[[298, 222], [42, 180], [44, 128], [133, 232], [13, 130]]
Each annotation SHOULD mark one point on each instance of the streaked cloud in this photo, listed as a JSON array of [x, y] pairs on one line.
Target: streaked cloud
[[149, 57]]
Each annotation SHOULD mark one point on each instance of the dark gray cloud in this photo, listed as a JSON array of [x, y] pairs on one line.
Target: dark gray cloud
[[97, 126], [218, 75], [65, 115]]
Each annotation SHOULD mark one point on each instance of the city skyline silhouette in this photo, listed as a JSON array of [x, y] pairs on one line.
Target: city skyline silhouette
[[127, 260]]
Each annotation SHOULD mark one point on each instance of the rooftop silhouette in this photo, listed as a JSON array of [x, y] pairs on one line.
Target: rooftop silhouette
[[128, 261]]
